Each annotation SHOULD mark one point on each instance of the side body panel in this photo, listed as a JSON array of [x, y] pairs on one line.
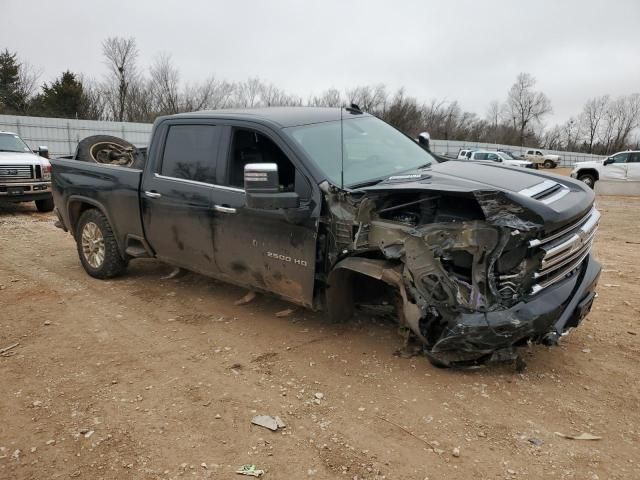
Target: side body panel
[[112, 189]]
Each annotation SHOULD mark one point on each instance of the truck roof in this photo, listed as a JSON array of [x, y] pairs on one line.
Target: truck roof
[[280, 116], [7, 133]]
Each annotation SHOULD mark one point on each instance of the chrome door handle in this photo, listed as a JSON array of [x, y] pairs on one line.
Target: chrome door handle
[[152, 194], [221, 209]]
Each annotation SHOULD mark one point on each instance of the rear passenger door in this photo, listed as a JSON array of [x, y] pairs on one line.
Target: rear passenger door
[[633, 167], [176, 193], [616, 170]]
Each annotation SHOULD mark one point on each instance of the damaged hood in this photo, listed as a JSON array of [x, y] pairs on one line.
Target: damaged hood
[[553, 199]]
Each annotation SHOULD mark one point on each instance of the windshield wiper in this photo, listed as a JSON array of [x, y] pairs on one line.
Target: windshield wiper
[[368, 183], [13, 151]]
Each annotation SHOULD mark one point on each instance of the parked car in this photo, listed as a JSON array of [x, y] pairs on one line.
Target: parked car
[[331, 209], [621, 166], [464, 154], [499, 157], [24, 175], [538, 157]]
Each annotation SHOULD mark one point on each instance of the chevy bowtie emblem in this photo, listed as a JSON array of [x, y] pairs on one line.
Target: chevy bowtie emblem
[[12, 172]]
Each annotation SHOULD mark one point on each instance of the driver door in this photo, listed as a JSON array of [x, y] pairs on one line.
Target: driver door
[[267, 249]]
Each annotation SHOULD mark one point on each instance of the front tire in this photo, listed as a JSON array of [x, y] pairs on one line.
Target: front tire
[[44, 205], [97, 246], [588, 179], [549, 164]]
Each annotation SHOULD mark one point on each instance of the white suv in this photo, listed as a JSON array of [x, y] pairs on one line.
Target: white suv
[[500, 157], [622, 166]]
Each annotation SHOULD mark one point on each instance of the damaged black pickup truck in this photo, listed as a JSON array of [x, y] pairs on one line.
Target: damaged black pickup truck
[[333, 208]]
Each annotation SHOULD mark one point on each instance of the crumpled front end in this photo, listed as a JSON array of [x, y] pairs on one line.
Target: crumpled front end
[[477, 273]]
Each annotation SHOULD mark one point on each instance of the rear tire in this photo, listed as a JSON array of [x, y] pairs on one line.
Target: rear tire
[[588, 179], [97, 246], [44, 205]]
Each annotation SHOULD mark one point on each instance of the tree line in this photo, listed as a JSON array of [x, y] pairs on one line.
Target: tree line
[[129, 93]]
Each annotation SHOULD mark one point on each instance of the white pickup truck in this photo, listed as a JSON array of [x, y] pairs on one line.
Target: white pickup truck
[[622, 166], [24, 175], [538, 157]]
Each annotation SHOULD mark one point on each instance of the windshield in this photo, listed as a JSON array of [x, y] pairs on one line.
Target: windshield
[[10, 142], [373, 149], [507, 156]]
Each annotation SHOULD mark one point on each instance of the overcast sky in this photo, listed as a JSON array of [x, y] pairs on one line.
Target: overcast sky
[[465, 50]]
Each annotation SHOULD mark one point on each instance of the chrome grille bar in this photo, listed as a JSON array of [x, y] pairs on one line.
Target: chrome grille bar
[[564, 231], [16, 172], [564, 251]]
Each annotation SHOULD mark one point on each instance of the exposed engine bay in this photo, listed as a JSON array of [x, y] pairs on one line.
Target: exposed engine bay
[[459, 262]]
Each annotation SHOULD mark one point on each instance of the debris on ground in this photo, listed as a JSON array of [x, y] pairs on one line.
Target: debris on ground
[[456, 452], [267, 421], [535, 441], [249, 297], [176, 272], [6, 349], [285, 313], [581, 436], [250, 470]]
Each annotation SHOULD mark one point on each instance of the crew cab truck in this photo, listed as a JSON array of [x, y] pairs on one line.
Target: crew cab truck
[[538, 158], [332, 208], [621, 166], [25, 176]]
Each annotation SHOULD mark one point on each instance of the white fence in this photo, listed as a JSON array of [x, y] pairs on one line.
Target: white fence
[[62, 136]]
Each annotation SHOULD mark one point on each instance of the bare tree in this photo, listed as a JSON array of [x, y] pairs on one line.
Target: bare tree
[[591, 117], [403, 113], [93, 100], [493, 118], [27, 84], [525, 105], [328, 98], [369, 98], [120, 56], [248, 93], [164, 82], [140, 104], [571, 133], [210, 94]]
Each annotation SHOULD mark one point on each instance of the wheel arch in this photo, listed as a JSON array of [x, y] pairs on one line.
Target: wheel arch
[[77, 205], [588, 171]]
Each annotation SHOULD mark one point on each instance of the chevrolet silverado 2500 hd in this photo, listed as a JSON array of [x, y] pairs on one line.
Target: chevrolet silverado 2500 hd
[[333, 208], [24, 175]]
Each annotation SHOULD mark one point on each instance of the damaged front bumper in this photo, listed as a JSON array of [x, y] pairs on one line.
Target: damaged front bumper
[[472, 338]]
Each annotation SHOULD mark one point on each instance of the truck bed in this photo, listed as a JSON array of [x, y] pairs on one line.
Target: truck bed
[[110, 188]]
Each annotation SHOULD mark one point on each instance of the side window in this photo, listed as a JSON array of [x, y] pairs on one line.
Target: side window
[[492, 156], [634, 157], [190, 152], [538, 152], [530, 152], [249, 146], [621, 157], [480, 156]]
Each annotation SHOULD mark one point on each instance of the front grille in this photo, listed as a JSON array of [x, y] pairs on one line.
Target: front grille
[[564, 251], [16, 173]]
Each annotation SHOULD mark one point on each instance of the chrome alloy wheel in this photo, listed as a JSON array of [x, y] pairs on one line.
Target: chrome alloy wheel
[[93, 244]]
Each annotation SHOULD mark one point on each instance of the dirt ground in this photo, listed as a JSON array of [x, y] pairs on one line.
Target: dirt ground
[[147, 378]]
